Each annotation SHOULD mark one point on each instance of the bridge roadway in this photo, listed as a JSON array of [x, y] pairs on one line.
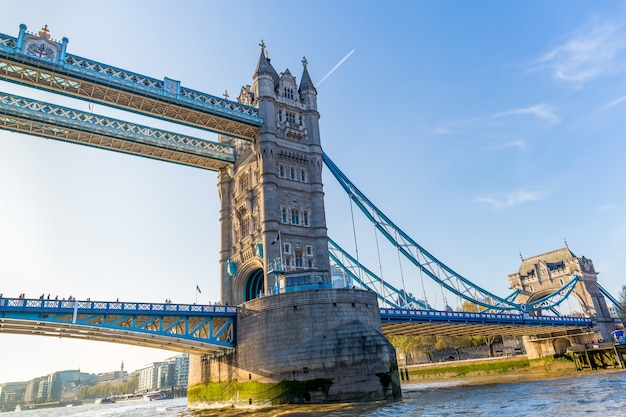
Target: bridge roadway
[[209, 329], [187, 328], [402, 322]]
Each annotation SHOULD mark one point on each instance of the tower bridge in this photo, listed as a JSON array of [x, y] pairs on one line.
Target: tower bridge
[[290, 322]]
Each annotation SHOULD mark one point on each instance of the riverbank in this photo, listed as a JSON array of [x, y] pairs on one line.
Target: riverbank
[[492, 370]]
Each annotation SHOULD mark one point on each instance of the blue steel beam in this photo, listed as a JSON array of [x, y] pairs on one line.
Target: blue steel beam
[[397, 322], [38, 61], [370, 281], [23, 115], [197, 329], [615, 301], [432, 267]]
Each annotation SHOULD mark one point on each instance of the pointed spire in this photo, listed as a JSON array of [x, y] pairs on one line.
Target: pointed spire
[[264, 64], [306, 82]]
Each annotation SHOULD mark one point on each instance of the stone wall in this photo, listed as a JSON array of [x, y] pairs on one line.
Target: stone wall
[[317, 346]]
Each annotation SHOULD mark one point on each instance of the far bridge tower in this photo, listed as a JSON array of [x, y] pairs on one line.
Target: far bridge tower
[[541, 275]]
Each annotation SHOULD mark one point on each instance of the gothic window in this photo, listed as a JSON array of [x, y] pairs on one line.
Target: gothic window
[[292, 173], [299, 259], [291, 117], [245, 226], [305, 218], [282, 170], [287, 247], [288, 92], [309, 262], [309, 250], [244, 183], [302, 174], [295, 216], [284, 216]]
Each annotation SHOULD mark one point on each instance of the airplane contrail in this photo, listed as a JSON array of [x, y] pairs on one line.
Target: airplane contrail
[[335, 67]]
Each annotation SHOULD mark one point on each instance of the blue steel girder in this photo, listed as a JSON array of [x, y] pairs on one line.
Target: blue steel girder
[[370, 281], [405, 322], [434, 268], [23, 115], [41, 62], [619, 305], [196, 329]]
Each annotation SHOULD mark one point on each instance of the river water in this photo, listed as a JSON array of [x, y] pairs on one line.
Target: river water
[[599, 394]]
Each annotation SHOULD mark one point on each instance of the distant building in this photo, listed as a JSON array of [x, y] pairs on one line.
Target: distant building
[[58, 386], [172, 372], [11, 394]]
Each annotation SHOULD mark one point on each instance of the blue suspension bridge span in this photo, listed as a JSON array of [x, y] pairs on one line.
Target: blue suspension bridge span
[[38, 61]]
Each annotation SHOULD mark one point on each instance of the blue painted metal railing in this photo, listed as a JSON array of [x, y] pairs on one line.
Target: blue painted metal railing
[[166, 90], [204, 328], [456, 317]]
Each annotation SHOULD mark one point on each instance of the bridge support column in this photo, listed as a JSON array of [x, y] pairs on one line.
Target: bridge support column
[[309, 346]]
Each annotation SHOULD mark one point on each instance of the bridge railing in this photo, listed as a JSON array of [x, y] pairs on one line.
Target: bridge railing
[[27, 304], [455, 316]]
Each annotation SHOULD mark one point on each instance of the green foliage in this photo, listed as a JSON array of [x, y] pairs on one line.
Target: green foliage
[[622, 300], [106, 390], [495, 367]]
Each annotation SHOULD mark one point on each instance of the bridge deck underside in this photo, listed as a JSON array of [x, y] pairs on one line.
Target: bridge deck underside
[[197, 329], [55, 80], [128, 337], [50, 130], [473, 329]]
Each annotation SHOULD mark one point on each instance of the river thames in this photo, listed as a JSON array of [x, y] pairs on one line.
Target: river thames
[[590, 395]]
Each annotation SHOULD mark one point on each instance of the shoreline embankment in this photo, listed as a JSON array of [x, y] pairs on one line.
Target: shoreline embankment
[[511, 369]]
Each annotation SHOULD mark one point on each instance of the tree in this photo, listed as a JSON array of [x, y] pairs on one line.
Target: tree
[[622, 301]]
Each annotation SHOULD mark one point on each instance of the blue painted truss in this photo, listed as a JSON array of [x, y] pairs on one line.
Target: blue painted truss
[[24, 115], [196, 329], [402, 322], [39, 61], [432, 267]]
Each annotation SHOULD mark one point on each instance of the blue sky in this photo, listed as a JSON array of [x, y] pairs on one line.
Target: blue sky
[[483, 129]]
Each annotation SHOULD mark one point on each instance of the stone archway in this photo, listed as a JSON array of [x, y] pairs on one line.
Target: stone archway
[[561, 345], [253, 285]]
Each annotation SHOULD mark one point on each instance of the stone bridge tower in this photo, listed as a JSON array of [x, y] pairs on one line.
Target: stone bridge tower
[[273, 224], [541, 275], [298, 338]]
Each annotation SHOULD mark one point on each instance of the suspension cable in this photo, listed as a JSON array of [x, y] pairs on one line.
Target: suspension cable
[[356, 244], [401, 271], [380, 265]]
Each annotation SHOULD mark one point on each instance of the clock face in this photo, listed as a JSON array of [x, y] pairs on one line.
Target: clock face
[[41, 50]]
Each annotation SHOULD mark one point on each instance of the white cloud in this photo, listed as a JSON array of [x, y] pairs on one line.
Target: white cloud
[[540, 111], [513, 199], [594, 50]]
